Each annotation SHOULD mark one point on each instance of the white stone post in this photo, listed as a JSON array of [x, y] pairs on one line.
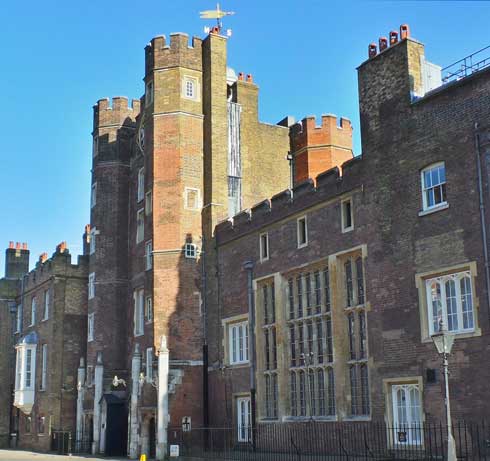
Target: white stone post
[[99, 380], [133, 415], [162, 408], [81, 392]]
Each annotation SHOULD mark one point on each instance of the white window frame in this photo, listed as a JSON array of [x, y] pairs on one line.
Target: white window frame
[[44, 365], [149, 364], [190, 250], [193, 81], [264, 255], [413, 429], [149, 92], [93, 195], [140, 225], [425, 205], [298, 231], [139, 312], [93, 236], [91, 327], [141, 185], [18, 323], [238, 343], [187, 191], [46, 304], [148, 202], [149, 309], [343, 212], [21, 360], [33, 311], [243, 411], [456, 277], [91, 285], [149, 255]]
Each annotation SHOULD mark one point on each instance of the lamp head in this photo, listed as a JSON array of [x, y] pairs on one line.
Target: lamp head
[[443, 341]]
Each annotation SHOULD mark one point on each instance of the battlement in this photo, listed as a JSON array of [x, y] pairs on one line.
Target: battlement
[[179, 52], [59, 263], [117, 111], [318, 148], [332, 131], [326, 186]]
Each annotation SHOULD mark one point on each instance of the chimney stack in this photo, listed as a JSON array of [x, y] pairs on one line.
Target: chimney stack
[[16, 260]]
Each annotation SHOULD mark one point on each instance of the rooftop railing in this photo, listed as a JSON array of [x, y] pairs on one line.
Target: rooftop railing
[[467, 66]]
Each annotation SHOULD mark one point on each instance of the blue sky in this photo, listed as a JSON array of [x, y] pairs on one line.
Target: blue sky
[[59, 57]]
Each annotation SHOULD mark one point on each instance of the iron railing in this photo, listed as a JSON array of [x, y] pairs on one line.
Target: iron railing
[[66, 442], [467, 66], [316, 441]]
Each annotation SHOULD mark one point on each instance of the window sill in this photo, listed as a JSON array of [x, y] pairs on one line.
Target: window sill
[[435, 209], [239, 365], [347, 229], [358, 418], [462, 335], [303, 245], [137, 335]]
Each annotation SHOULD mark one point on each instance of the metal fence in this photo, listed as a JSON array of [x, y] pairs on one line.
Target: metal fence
[[466, 66], [315, 441], [65, 443]]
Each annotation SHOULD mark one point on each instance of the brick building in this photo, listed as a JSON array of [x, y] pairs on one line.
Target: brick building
[[165, 170], [315, 303], [331, 291], [44, 317]]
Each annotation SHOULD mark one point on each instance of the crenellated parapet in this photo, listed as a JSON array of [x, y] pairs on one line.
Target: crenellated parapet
[[59, 263], [116, 112], [325, 187], [319, 148], [332, 131], [179, 52]]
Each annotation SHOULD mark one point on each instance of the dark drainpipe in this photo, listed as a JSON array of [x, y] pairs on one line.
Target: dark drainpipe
[[249, 266], [482, 214]]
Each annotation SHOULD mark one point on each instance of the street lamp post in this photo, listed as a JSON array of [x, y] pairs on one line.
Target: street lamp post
[[444, 343], [308, 361]]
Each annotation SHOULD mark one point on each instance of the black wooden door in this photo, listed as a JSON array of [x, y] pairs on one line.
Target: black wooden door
[[116, 430]]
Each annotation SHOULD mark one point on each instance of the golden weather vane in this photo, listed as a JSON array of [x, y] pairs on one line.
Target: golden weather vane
[[217, 14]]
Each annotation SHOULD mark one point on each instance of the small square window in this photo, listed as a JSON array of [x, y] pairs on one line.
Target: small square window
[[264, 246], [140, 225], [192, 199], [189, 88], [190, 250], [148, 255], [90, 327], [347, 215], [302, 232], [148, 203]]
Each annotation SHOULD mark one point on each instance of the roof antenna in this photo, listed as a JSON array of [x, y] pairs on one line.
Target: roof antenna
[[217, 14]]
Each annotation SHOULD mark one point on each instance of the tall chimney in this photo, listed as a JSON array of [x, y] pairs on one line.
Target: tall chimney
[[16, 261]]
